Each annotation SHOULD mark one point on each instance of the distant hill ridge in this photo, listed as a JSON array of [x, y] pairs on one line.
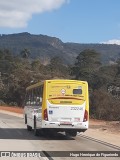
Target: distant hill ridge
[[46, 47]]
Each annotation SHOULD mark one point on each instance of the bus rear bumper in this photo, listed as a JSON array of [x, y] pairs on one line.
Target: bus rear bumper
[[59, 125]]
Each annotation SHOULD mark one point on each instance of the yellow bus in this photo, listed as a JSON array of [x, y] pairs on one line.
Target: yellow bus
[[57, 106]]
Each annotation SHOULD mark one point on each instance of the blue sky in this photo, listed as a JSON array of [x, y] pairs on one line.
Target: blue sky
[[81, 21]]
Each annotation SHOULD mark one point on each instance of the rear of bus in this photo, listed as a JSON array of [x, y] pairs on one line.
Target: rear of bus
[[65, 106]]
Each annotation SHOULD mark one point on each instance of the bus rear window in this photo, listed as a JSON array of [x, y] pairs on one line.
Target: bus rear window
[[77, 91]]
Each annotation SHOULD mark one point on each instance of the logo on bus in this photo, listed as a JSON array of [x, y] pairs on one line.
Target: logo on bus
[[63, 91]]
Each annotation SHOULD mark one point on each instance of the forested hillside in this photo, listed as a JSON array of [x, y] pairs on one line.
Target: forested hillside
[[46, 47]]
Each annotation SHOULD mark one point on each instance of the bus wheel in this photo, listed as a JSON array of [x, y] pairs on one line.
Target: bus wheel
[[25, 119], [35, 129], [29, 128], [71, 133]]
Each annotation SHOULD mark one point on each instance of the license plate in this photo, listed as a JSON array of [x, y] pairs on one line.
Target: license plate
[[65, 123]]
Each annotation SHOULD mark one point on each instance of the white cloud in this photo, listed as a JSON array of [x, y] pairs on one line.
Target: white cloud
[[16, 13], [113, 41]]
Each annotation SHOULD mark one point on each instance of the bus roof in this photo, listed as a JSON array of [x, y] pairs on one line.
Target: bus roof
[[34, 85], [54, 80]]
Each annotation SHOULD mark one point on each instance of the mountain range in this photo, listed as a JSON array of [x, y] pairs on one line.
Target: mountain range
[[46, 47]]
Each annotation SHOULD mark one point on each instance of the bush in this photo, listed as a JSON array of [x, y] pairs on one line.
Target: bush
[[2, 103], [104, 106], [13, 104]]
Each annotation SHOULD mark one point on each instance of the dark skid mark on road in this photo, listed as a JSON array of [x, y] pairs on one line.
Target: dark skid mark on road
[[23, 134], [101, 142]]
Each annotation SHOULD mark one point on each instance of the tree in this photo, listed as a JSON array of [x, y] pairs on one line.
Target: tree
[[86, 66], [57, 68], [1, 83], [104, 106], [25, 53], [117, 78], [36, 65]]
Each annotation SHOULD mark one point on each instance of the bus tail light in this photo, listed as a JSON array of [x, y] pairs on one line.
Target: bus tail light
[[85, 116], [45, 115]]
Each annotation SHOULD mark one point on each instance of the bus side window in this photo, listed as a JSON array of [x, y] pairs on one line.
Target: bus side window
[[41, 94], [37, 96], [32, 98], [28, 97]]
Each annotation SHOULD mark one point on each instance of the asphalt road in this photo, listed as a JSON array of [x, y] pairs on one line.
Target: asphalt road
[[15, 137]]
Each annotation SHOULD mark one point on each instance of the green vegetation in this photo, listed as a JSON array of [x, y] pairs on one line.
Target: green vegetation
[[26, 64], [17, 73]]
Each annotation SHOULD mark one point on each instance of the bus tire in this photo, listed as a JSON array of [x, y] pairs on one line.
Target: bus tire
[[29, 128], [35, 129], [71, 133], [25, 119]]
